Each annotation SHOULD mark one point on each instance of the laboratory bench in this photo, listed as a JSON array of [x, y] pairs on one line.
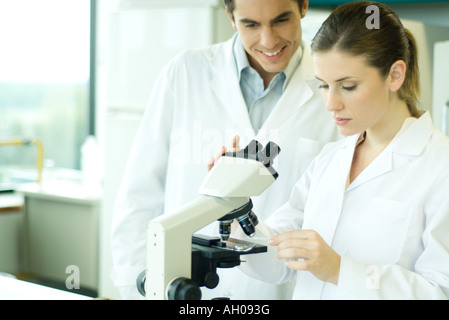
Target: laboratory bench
[[46, 229], [14, 289]]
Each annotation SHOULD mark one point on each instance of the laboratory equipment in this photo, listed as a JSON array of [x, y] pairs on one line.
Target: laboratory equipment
[[26, 142], [177, 265]]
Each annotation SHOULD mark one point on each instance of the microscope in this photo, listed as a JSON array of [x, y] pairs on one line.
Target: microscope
[[179, 261]]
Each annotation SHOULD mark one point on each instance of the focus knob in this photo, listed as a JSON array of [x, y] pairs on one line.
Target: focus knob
[[184, 289], [140, 282]]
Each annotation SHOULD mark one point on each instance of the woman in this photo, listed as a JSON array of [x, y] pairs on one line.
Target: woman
[[370, 217]]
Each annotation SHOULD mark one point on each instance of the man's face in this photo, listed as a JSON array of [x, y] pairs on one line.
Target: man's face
[[270, 31]]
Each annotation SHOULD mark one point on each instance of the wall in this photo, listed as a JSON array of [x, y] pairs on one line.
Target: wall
[[435, 14]]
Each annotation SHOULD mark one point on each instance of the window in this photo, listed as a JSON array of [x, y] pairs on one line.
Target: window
[[44, 82]]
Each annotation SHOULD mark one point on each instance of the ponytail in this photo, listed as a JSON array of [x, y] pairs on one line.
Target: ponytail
[[411, 88]]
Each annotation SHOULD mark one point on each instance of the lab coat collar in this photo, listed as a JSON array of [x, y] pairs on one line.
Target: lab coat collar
[[293, 65], [411, 142], [414, 139]]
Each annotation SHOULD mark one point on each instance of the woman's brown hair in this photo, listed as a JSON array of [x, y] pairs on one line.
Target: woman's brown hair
[[347, 29]]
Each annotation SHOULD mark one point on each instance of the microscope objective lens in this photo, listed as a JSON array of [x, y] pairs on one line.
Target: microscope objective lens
[[247, 225], [225, 229]]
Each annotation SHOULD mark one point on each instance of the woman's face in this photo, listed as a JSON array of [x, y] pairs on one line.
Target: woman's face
[[355, 94]]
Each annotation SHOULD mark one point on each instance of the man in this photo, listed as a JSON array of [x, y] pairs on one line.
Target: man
[[259, 85]]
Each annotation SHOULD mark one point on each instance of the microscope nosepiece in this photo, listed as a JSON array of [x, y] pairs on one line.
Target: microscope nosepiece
[[246, 218]]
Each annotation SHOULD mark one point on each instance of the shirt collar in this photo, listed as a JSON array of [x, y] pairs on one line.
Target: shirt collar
[[241, 60]]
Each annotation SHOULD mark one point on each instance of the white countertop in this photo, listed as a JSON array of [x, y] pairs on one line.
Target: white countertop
[[61, 190], [10, 201], [13, 289]]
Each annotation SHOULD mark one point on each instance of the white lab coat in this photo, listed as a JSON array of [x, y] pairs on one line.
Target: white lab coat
[[197, 106], [390, 226]]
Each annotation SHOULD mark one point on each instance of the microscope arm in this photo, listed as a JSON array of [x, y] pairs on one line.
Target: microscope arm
[[170, 240]]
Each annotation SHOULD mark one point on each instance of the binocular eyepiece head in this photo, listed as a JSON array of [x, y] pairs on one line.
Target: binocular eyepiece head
[[254, 150], [244, 215]]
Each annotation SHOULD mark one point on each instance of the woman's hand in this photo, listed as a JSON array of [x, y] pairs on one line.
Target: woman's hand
[[234, 147], [317, 256]]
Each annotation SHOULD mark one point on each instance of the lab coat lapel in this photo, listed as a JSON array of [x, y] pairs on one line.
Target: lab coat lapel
[[226, 87], [381, 165], [341, 167]]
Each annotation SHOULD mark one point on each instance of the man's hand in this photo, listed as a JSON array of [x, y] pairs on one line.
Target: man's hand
[[234, 147]]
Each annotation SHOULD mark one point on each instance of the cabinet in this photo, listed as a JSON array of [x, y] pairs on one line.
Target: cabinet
[[11, 218], [61, 231]]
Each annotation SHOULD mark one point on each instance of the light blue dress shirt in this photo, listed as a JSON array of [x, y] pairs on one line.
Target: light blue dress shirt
[[260, 101]]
